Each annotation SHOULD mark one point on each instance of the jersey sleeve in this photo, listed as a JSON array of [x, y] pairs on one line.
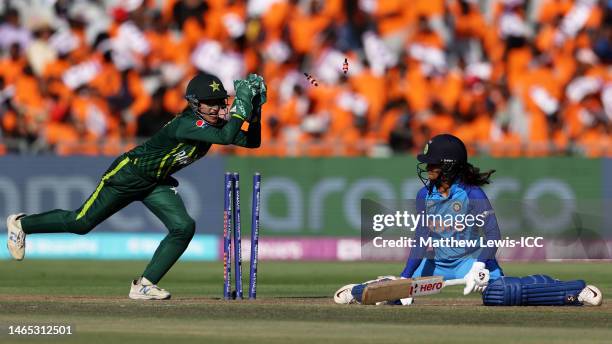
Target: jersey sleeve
[[491, 231], [417, 253], [192, 129], [250, 138]]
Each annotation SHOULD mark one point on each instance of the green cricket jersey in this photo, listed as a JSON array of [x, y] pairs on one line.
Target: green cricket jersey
[[186, 139]]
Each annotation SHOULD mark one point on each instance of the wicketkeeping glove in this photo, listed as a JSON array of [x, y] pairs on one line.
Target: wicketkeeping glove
[[476, 279], [257, 82], [243, 103]]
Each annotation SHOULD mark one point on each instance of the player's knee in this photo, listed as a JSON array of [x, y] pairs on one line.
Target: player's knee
[[504, 291], [186, 229]]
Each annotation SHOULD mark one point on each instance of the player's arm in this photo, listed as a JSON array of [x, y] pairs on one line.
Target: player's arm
[[417, 253], [490, 227], [224, 135], [252, 137], [482, 208]]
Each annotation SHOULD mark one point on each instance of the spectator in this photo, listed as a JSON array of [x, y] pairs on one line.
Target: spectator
[[515, 78], [12, 32], [155, 117]]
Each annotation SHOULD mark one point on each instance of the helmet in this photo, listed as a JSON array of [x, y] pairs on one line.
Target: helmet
[[445, 150], [205, 88]]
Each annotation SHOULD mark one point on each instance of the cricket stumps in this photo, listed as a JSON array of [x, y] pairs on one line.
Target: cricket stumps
[[232, 223]]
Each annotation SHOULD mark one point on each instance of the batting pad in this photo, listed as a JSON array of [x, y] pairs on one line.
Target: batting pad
[[534, 290]]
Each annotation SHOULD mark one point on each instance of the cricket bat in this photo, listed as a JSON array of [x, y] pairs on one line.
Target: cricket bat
[[403, 288]]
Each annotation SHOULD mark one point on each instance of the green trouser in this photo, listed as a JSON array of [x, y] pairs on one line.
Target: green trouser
[[119, 187]]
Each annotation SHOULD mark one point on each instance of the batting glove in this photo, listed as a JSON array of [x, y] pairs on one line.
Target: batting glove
[[476, 279]]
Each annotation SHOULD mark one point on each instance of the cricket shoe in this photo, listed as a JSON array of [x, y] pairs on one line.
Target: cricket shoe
[[344, 295], [590, 296], [143, 289], [16, 236]]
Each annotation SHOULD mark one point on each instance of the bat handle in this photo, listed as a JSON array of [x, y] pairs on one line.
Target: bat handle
[[458, 281]]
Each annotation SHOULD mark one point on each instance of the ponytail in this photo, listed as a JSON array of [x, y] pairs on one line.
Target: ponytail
[[471, 175]]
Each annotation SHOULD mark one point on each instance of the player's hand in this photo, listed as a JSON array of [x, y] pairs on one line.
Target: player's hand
[[257, 82], [245, 90], [476, 279], [243, 103]]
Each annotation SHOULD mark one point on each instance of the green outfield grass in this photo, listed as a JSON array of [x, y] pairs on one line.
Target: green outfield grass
[[294, 306]]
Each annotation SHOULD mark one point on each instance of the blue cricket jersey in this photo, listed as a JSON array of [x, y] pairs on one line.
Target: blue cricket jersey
[[462, 200]]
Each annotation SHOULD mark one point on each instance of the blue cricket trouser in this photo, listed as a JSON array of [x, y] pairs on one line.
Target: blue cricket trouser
[[453, 269]]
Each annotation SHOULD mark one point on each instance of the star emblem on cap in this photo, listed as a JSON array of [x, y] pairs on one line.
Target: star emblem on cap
[[215, 86]]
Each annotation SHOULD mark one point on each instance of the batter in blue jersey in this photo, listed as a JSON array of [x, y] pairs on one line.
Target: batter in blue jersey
[[452, 190]]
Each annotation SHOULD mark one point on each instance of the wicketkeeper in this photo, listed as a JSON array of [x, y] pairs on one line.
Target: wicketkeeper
[[144, 174], [452, 186]]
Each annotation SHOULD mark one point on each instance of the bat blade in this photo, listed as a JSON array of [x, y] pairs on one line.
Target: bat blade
[[403, 288]]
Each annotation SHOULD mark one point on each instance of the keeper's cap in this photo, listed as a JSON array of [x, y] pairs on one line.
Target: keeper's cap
[[205, 86]]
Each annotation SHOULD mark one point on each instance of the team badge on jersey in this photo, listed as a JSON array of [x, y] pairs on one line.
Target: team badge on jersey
[[200, 123], [457, 207]]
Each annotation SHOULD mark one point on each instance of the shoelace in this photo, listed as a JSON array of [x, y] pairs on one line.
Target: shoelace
[[146, 288]]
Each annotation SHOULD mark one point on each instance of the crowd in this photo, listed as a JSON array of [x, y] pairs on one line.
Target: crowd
[[510, 77]]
